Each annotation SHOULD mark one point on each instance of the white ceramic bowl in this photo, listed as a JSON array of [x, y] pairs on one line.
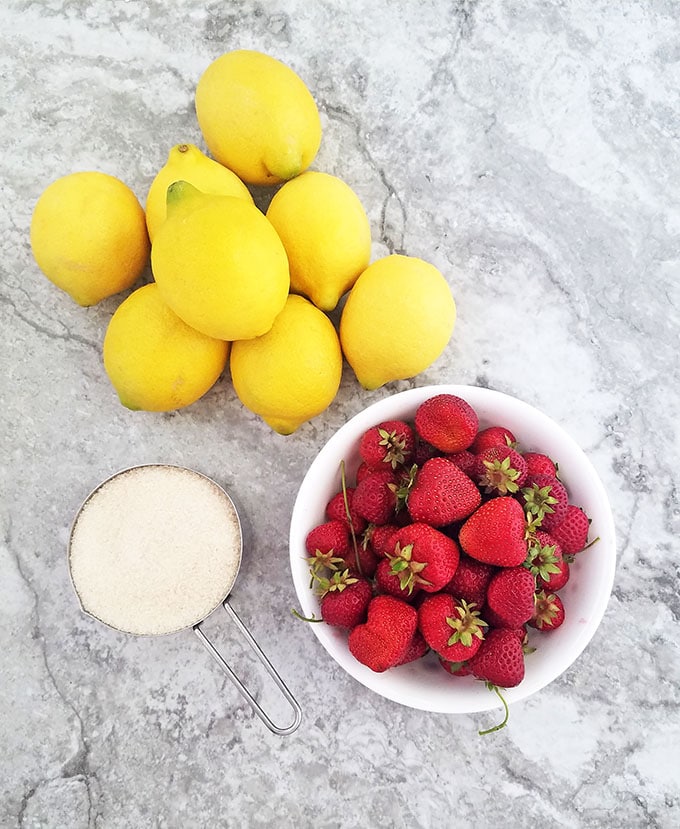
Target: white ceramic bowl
[[423, 684]]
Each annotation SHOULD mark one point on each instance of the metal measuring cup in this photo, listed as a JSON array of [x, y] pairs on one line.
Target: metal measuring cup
[[193, 616]]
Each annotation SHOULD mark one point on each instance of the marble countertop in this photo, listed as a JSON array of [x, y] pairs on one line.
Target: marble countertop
[[531, 151]]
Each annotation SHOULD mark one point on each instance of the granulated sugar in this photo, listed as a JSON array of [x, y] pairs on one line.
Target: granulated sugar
[[155, 549]]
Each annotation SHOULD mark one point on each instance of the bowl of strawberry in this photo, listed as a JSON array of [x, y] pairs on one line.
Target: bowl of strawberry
[[453, 548]]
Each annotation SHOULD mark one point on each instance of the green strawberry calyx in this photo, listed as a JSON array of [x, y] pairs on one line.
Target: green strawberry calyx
[[394, 444], [408, 570], [466, 624], [541, 560], [499, 476], [538, 501], [546, 609], [336, 583]]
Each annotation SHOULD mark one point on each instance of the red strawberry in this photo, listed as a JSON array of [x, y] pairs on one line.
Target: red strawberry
[[464, 460], [546, 500], [495, 532], [455, 668], [381, 539], [555, 581], [539, 464], [388, 582], [424, 451], [451, 627], [470, 581], [441, 494], [424, 556], [492, 436], [572, 531], [375, 497], [415, 650], [336, 511], [382, 641], [510, 596], [363, 471], [362, 562], [549, 611], [344, 599], [327, 544], [500, 659], [391, 443], [447, 422]]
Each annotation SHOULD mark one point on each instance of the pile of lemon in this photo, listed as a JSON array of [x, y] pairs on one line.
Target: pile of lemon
[[232, 283]]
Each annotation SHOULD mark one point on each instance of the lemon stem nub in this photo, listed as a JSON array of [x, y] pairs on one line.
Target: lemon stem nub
[[181, 194]]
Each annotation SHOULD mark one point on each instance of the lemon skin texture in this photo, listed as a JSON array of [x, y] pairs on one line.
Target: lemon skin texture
[[397, 320], [257, 117], [88, 236], [187, 163], [293, 372], [155, 361], [326, 233], [221, 267]]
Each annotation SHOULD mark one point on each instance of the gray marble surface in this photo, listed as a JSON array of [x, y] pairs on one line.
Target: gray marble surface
[[528, 149]]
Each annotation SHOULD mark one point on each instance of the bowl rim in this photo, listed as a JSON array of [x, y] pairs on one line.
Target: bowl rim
[[301, 522]]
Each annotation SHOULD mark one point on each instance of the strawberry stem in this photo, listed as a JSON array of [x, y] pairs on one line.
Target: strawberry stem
[[343, 482], [500, 725], [305, 618]]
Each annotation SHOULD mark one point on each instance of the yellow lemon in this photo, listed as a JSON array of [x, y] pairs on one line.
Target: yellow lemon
[[293, 372], [219, 264], [187, 163], [155, 361], [326, 234], [397, 320], [88, 236], [257, 117]]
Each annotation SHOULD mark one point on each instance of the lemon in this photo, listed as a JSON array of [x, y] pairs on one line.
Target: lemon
[[257, 117], [397, 320], [88, 236], [219, 264], [154, 360], [293, 372], [187, 163], [326, 234]]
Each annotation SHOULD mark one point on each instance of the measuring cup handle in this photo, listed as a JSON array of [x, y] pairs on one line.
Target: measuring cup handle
[[212, 650]]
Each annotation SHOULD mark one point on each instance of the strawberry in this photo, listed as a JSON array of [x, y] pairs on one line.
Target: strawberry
[[424, 556], [375, 497], [495, 532], [549, 613], [388, 582], [555, 581], [424, 451], [492, 436], [382, 641], [510, 596], [417, 648], [363, 471], [500, 470], [545, 499], [336, 510], [451, 627], [464, 460], [500, 659], [381, 539], [391, 443], [441, 494], [455, 668], [447, 422], [362, 562], [572, 532], [539, 464], [344, 599], [327, 544], [470, 581]]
